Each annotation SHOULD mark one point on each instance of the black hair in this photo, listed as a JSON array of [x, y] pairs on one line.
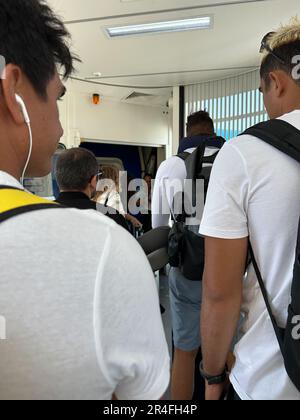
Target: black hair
[[75, 168], [203, 120], [35, 39], [284, 61]]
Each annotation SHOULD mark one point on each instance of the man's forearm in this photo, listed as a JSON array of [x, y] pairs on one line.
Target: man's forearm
[[219, 320]]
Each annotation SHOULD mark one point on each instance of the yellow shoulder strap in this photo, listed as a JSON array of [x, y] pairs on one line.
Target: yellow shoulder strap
[[11, 199]]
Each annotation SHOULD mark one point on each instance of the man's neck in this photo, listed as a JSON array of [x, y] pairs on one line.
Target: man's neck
[[10, 159], [10, 171], [291, 101], [200, 135], [290, 109], [10, 166], [9, 179]]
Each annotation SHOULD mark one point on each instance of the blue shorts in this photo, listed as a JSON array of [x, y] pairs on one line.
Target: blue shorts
[[185, 301]]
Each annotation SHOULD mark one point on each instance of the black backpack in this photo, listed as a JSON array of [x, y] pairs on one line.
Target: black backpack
[[186, 245], [285, 138]]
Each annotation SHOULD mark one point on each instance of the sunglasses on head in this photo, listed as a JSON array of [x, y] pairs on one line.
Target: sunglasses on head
[[266, 47], [99, 175]]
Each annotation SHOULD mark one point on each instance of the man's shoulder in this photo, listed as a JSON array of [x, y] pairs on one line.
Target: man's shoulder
[[91, 228], [169, 166], [251, 147], [68, 219], [250, 151], [245, 144], [242, 139], [69, 228]]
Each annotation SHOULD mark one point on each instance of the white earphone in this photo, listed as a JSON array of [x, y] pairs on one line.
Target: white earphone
[[23, 108], [27, 121]]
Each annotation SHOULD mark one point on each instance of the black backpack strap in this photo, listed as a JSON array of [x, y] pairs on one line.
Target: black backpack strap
[[279, 134], [27, 209], [4, 187], [14, 202], [194, 162], [183, 156], [200, 151], [210, 159], [194, 166], [279, 331], [285, 138]]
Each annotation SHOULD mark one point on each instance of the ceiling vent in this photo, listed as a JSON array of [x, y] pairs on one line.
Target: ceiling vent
[[138, 95]]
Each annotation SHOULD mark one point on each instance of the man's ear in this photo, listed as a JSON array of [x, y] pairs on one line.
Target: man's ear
[[278, 80], [94, 182], [11, 85]]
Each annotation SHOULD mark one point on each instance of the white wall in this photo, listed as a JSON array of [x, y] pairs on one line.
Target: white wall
[[112, 121]]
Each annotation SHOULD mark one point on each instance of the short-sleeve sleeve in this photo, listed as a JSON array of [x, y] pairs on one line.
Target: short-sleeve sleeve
[[169, 182], [225, 212]]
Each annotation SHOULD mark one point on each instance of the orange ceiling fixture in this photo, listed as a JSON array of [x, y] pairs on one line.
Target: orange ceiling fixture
[[96, 98]]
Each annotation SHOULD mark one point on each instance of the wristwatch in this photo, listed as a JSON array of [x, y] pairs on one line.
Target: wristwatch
[[213, 380]]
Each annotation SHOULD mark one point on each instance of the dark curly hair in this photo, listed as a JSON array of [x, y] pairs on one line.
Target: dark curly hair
[[202, 120]]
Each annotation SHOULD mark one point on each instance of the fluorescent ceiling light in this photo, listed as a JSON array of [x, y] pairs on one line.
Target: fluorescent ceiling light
[[161, 27]]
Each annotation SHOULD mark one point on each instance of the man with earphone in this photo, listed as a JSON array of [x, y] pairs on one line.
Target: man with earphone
[[76, 325]]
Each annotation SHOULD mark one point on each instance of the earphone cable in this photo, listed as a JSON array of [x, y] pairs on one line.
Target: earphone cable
[[29, 153]]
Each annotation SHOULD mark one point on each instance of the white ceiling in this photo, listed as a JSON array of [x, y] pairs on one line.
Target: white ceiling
[[230, 47]]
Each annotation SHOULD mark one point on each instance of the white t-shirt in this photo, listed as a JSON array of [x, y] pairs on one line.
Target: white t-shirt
[[254, 190], [173, 170], [81, 309]]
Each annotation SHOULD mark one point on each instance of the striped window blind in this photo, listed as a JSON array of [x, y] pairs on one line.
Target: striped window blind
[[234, 103]]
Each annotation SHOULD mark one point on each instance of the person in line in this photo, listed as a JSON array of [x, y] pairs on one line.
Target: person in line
[[109, 194], [76, 291], [77, 174], [185, 295], [254, 194]]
